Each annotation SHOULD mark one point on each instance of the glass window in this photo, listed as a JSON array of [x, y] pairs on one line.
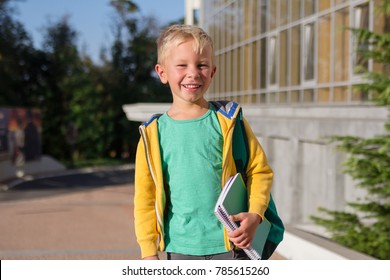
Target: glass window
[[324, 41], [341, 46], [229, 72], [381, 26], [263, 63], [229, 23], [217, 83], [248, 99], [294, 96], [295, 59], [271, 97], [247, 78], [283, 97], [308, 59], [283, 18], [241, 26], [264, 15], [215, 31], [247, 18], [310, 7], [295, 10], [283, 59], [232, 18], [323, 5], [358, 95], [340, 94], [255, 66], [263, 98], [235, 69], [272, 59], [323, 95], [338, 2], [253, 12], [381, 22], [361, 14], [308, 95], [273, 14], [240, 68]]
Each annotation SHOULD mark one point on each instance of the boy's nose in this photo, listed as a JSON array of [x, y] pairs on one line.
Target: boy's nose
[[193, 72]]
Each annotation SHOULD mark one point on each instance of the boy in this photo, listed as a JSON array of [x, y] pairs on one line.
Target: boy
[[185, 156]]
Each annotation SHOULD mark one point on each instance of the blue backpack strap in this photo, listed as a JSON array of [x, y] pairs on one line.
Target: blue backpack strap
[[155, 116]]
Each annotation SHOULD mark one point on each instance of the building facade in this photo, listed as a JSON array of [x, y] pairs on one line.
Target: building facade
[[293, 65]]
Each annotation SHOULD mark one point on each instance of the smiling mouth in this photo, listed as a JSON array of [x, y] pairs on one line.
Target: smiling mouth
[[191, 86]]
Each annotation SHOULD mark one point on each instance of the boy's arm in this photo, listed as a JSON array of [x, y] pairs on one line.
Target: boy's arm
[[145, 220], [259, 175]]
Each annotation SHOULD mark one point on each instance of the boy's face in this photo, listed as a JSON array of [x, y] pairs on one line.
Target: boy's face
[[188, 73]]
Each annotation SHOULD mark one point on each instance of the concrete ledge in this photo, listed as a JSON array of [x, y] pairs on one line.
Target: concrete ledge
[[143, 111], [10, 172], [302, 245]]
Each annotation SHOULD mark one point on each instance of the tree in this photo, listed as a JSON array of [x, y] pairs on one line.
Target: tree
[[20, 64], [131, 73], [367, 228], [65, 81]]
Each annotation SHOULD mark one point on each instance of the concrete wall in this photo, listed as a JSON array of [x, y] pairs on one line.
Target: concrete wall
[[308, 170]]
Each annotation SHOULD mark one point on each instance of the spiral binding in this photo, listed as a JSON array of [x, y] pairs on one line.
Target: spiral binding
[[223, 217]]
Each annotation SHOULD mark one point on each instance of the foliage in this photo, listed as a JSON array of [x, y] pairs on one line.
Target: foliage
[[367, 228], [20, 70]]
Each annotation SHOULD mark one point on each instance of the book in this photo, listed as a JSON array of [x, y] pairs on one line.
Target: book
[[233, 200]]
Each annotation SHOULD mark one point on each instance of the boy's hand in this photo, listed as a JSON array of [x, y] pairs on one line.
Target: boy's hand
[[243, 236]]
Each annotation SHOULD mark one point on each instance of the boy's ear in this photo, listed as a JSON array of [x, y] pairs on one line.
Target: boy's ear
[[213, 71], [161, 73]]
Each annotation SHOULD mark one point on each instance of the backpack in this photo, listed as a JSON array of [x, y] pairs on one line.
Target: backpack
[[240, 155]]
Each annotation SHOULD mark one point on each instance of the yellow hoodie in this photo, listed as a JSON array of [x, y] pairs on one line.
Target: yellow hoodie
[[150, 196]]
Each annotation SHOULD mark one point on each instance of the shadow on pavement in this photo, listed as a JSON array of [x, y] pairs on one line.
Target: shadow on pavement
[[67, 183]]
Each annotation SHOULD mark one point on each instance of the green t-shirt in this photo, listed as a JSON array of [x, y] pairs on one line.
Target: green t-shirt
[[191, 152]]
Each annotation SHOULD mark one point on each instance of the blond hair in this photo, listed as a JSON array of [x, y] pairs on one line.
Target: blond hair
[[175, 35]]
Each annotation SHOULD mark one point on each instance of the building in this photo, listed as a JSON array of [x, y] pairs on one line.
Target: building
[[292, 65]]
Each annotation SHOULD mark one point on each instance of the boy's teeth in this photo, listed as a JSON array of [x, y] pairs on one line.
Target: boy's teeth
[[191, 86]]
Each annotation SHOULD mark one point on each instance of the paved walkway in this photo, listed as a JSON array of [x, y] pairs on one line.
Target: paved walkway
[[91, 223]]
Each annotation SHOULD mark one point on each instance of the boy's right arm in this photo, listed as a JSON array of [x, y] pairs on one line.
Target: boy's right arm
[[145, 220]]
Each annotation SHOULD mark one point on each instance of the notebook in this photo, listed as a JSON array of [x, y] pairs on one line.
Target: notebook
[[233, 200]]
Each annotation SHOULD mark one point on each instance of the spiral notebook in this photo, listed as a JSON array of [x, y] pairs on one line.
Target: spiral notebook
[[233, 200]]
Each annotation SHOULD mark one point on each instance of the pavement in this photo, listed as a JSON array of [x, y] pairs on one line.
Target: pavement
[[79, 215]]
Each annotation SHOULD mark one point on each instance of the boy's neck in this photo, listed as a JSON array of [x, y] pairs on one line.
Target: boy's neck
[[188, 111]]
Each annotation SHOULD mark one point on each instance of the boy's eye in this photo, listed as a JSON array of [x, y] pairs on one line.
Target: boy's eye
[[181, 65], [202, 66]]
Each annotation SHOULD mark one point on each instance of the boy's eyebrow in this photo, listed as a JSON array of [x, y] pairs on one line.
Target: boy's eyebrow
[[180, 60], [202, 60]]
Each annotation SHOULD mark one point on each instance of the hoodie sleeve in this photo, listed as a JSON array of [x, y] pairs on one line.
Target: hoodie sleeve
[[145, 220], [259, 175]]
